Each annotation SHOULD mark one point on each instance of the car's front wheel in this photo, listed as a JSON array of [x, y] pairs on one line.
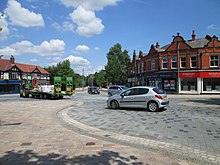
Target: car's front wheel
[[153, 106], [114, 104]]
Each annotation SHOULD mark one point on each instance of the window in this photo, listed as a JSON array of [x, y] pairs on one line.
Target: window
[[164, 63], [143, 91], [173, 62], [131, 92], [159, 91], [214, 61], [153, 65], [182, 62], [142, 67], [193, 62]]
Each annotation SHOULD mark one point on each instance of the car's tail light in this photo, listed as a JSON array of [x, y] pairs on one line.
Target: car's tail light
[[159, 97]]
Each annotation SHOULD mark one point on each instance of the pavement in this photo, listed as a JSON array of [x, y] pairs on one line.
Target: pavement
[[34, 131]]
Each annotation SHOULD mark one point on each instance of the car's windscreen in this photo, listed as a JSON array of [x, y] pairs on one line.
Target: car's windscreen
[[159, 91], [124, 88]]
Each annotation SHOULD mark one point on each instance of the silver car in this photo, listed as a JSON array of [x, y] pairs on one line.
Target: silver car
[[151, 98], [116, 89]]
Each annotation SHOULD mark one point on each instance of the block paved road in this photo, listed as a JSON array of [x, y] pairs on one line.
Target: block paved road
[[32, 133], [191, 123]]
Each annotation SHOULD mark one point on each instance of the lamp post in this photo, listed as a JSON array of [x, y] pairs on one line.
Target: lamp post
[[178, 67]]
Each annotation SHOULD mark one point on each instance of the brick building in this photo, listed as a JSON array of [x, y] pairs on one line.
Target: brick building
[[183, 66], [13, 74]]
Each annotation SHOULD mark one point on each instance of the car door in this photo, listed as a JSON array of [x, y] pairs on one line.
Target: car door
[[127, 98], [140, 98]]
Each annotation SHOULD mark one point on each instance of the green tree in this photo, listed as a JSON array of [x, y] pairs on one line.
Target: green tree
[[100, 78], [116, 68], [64, 70]]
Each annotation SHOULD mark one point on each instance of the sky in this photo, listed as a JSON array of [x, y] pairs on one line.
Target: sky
[[43, 33]]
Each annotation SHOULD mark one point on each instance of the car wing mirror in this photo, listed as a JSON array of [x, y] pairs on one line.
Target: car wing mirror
[[122, 95]]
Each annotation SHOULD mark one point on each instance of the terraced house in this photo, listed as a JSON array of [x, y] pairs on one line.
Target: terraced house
[[13, 74], [183, 66]]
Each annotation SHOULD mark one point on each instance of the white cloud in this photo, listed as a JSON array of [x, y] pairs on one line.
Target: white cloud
[[57, 26], [7, 51], [90, 4], [77, 61], [88, 23], [57, 59], [84, 15], [66, 26], [4, 31], [53, 47], [79, 64], [96, 48], [212, 27], [82, 48], [23, 17], [33, 60]]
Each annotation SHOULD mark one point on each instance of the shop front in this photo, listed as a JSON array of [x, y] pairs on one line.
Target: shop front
[[199, 82], [164, 80], [10, 86]]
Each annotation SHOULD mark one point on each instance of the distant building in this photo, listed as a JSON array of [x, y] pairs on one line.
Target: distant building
[[13, 74], [183, 66]]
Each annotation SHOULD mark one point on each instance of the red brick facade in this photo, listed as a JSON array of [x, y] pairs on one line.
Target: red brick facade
[[165, 66]]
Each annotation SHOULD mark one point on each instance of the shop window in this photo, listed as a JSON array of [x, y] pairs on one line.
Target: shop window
[[210, 84], [153, 65], [183, 62], [164, 63], [173, 62], [193, 62], [214, 61], [189, 84]]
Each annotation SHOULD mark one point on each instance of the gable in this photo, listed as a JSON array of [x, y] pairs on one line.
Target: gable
[[214, 42], [182, 46], [36, 70], [14, 69]]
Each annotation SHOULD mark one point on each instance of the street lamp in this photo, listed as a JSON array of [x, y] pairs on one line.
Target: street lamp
[[178, 67]]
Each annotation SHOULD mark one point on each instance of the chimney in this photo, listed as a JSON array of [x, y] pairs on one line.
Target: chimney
[[12, 59], [157, 45], [193, 35], [134, 55], [140, 54]]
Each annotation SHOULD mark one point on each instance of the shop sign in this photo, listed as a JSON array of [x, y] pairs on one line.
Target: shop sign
[[210, 74], [199, 74], [189, 74]]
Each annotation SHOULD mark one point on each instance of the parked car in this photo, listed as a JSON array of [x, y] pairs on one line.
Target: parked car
[[93, 90], [116, 89], [151, 98]]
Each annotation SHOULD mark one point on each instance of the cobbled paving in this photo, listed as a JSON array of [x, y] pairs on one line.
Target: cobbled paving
[[188, 126]]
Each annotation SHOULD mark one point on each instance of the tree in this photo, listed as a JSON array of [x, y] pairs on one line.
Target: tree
[[101, 79], [64, 70], [116, 68]]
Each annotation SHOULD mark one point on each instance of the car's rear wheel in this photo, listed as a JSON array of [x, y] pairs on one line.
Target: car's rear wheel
[[152, 106], [114, 104]]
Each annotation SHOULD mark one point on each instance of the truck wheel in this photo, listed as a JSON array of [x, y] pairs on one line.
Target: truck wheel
[[41, 96], [45, 96], [21, 93], [25, 93]]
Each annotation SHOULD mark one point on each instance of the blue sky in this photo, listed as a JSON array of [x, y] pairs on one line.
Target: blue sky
[[43, 32]]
